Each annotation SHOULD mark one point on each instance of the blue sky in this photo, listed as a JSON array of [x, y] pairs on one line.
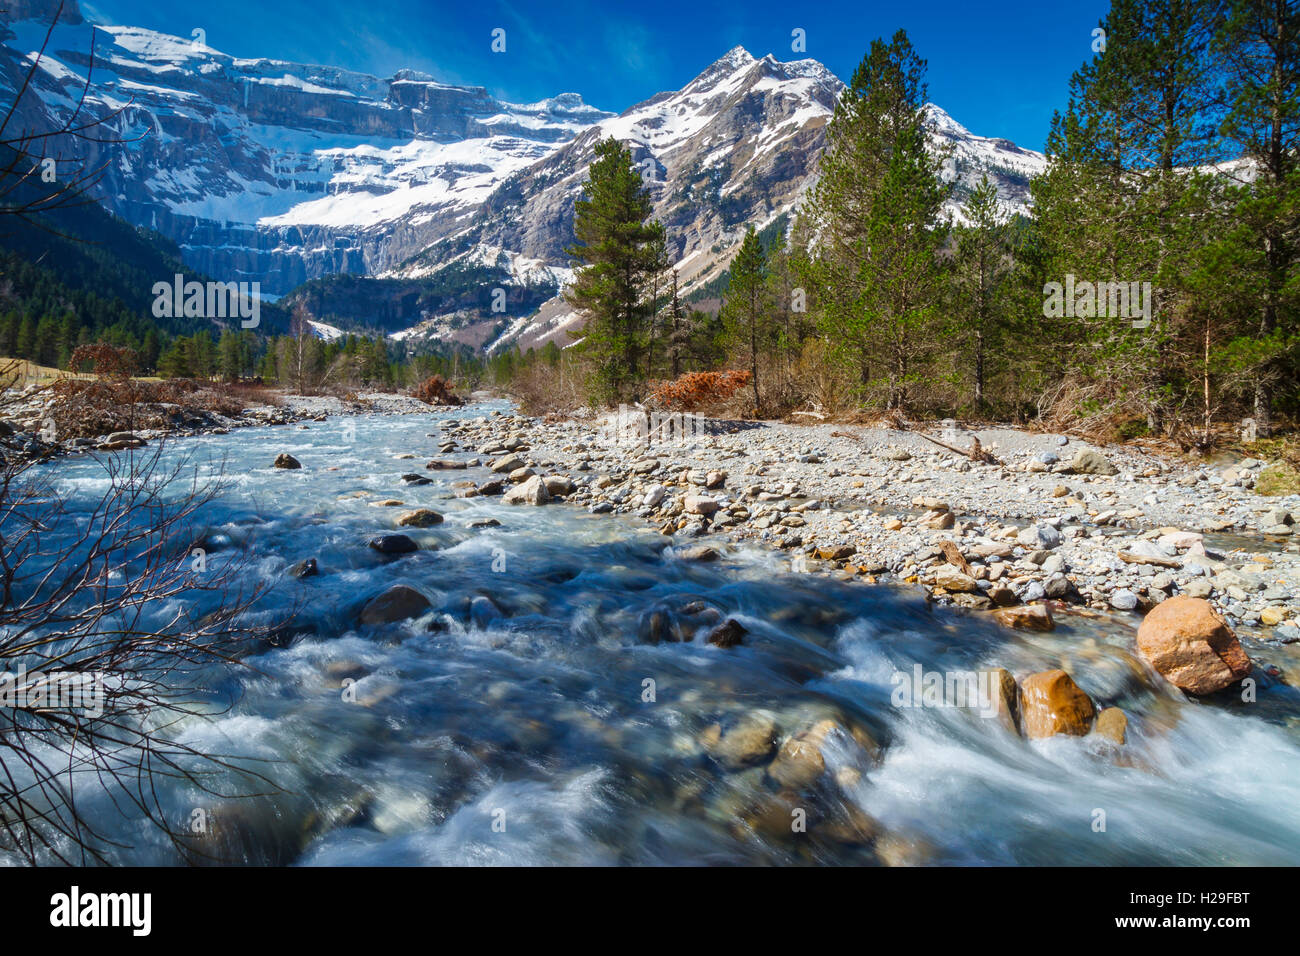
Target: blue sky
[[998, 68]]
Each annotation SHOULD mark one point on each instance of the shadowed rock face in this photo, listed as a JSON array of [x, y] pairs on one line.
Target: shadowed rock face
[[44, 11]]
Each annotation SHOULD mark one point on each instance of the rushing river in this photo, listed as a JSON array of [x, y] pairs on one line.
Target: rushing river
[[528, 718]]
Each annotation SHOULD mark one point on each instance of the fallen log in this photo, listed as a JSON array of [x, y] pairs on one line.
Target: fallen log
[[975, 453]]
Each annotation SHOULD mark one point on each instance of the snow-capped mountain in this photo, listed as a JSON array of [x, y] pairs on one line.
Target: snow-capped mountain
[[281, 172], [1008, 166], [737, 146], [284, 173]]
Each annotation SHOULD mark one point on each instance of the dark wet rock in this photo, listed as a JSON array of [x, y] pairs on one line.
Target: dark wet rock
[[658, 625], [772, 815], [490, 488], [285, 635], [699, 552], [212, 540], [393, 544], [1004, 697], [417, 480], [304, 569], [285, 460], [396, 604], [485, 523], [728, 634], [483, 611]]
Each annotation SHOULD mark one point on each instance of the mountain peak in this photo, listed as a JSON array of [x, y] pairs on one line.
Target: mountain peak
[[736, 56], [733, 61]]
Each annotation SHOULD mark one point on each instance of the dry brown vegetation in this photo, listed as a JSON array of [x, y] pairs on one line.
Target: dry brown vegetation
[[91, 408], [543, 389], [436, 390]]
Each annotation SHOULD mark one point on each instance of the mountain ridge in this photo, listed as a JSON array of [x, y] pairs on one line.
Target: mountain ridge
[[290, 173]]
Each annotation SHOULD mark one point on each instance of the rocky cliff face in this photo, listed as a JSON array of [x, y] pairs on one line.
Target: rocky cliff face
[[283, 172]]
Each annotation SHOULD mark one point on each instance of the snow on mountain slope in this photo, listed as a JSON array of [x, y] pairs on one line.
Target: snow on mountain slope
[[1008, 166], [737, 146], [283, 171]]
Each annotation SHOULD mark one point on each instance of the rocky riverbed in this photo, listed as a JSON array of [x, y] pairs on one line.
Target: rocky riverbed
[[447, 653], [1116, 530]]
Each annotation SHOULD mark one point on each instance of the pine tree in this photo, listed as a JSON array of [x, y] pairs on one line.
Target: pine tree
[[26, 346], [1141, 115], [9, 326], [175, 361], [229, 356], [745, 313], [678, 332], [789, 305], [981, 274], [1260, 40], [47, 341], [150, 350], [616, 246], [876, 215], [67, 338], [659, 262]]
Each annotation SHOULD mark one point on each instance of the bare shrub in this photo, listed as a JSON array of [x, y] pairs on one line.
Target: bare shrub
[[822, 384], [700, 391], [82, 408], [103, 592], [545, 389]]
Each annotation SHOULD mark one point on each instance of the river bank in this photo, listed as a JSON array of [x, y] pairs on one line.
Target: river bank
[[1117, 530]]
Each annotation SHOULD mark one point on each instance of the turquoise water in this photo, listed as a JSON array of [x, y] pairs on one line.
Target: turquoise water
[[512, 723]]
